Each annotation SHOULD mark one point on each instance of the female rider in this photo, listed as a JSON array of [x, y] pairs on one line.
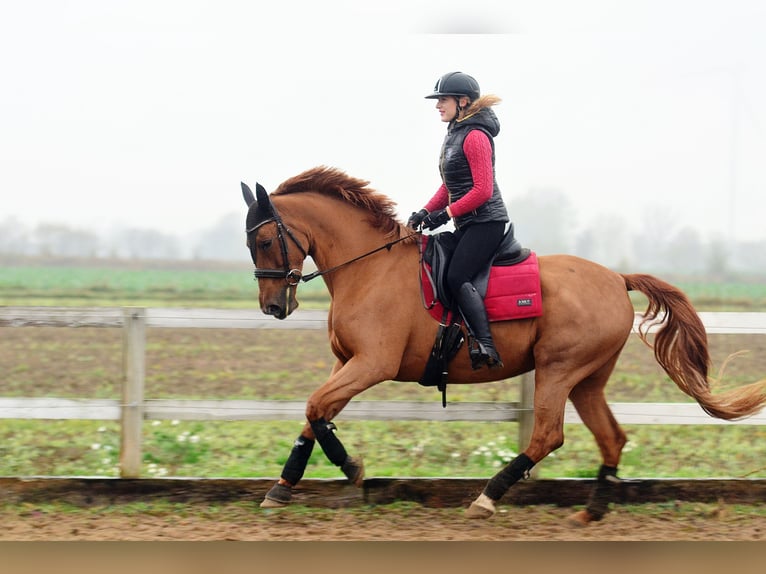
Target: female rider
[[469, 195]]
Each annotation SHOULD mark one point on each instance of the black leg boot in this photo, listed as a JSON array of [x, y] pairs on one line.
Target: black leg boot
[[472, 308]]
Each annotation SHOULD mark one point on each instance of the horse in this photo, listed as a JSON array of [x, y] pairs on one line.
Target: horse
[[379, 330]]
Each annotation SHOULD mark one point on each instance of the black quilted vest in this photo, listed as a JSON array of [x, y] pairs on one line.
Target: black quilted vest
[[456, 173]]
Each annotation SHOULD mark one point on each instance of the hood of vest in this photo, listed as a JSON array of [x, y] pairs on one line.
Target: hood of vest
[[480, 115]]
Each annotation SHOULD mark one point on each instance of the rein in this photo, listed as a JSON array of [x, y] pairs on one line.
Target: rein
[[387, 246], [294, 276]]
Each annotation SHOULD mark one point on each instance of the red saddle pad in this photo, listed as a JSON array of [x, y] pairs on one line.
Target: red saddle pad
[[513, 291]]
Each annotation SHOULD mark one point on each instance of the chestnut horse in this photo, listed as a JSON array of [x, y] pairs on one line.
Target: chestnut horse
[[379, 329]]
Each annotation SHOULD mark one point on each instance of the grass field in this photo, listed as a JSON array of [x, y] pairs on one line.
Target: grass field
[[106, 287], [186, 363], [228, 364], [232, 286]]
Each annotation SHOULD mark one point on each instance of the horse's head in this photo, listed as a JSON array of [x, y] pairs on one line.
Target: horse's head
[[276, 252]]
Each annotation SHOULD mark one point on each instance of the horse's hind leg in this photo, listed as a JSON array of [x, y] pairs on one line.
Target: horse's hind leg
[[547, 436], [590, 402]]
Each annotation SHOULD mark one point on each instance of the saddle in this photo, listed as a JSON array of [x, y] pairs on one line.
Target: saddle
[[438, 253], [509, 285]]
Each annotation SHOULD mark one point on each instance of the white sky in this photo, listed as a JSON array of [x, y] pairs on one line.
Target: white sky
[[148, 113]]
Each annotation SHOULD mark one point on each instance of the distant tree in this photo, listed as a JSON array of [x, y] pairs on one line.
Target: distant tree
[[650, 243], [607, 241], [586, 244], [61, 240], [749, 256], [14, 237], [544, 220], [225, 240], [139, 243], [685, 252], [718, 262]]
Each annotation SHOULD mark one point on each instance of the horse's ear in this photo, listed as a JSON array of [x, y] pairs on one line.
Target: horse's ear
[[260, 192], [260, 207], [247, 194]]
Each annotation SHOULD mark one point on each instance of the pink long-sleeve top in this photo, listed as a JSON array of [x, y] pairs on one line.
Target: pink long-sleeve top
[[478, 152]]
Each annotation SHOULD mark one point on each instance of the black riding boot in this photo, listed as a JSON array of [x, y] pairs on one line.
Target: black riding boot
[[482, 349]]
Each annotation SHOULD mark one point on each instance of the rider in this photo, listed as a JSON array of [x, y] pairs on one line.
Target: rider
[[470, 196]]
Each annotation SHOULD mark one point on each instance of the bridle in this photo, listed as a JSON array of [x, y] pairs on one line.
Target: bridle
[[294, 276]]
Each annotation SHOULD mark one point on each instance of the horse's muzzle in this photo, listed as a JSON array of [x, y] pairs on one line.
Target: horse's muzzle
[[280, 305], [277, 311]]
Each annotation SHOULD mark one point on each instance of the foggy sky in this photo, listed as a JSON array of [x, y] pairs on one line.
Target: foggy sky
[[150, 113]]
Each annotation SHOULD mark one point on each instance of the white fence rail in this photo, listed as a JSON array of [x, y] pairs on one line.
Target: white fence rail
[[134, 408]]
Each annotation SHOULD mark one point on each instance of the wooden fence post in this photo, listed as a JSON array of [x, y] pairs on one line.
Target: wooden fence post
[[527, 415], [132, 410]]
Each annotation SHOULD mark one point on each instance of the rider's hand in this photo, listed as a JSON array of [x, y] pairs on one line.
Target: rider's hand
[[416, 219], [436, 219]]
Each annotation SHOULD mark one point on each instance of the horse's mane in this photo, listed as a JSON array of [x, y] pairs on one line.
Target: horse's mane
[[336, 183]]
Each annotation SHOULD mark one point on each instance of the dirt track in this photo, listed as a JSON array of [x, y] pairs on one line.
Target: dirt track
[[410, 522]]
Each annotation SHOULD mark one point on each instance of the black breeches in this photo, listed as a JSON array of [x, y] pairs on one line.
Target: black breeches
[[476, 244]]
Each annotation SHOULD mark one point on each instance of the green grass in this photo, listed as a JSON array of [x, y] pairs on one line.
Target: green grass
[[262, 366], [419, 449], [103, 287], [717, 296], [726, 296], [227, 288]]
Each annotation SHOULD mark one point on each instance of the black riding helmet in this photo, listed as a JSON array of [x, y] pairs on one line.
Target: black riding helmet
[[456, 84]]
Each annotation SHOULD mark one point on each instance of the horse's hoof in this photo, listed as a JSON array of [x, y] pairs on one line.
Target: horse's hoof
[[353, 468], [580, 519], [482, 507], [269, 503], [278, 497]]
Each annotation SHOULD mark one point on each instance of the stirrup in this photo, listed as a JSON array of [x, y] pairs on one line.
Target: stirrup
[[483, 355]]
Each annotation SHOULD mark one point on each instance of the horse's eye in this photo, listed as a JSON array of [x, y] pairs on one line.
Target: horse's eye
[[265, 244]]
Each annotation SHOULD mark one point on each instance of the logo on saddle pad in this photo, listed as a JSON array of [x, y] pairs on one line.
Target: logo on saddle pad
[[512, 291]]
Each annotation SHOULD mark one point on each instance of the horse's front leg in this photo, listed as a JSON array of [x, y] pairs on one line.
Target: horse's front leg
[[282, 492], [347, 381]]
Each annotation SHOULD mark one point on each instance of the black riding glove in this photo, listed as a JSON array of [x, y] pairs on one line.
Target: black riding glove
[[416, 219], [436, 219]]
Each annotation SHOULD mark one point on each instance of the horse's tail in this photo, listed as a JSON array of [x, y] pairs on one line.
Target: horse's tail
[[680, 347]]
